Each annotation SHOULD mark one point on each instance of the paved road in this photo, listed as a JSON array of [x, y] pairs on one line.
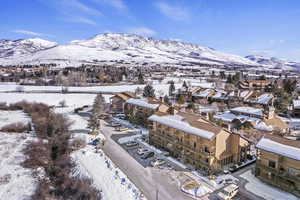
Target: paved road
[[149, 180], [242, 190]]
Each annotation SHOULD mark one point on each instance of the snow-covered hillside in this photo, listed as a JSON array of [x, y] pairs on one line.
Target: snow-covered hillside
[[273, 62], [112, 47], [14, 48]]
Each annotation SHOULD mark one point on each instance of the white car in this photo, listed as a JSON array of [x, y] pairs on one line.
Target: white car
[[158, 162], [228, 192], [142, 151]]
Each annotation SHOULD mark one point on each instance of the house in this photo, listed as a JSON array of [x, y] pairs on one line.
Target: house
[[262, 99], [196, 141], [254, 84], [138, 110], [278, 163], [264, 120], [117, 101], [203, 95], [296, 107]]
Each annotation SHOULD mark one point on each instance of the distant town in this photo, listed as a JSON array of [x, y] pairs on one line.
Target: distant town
[[155, 132]]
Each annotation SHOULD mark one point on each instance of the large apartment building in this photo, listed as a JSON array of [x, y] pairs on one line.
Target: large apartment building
[[278, 163], [196, 141], [138, 110]]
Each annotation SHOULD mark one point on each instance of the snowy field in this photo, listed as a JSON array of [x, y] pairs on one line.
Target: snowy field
[[16, 182], [9, 117], [263, 190]]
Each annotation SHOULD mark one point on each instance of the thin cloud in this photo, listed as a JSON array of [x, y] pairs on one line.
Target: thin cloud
[[76, 4], [118, 4], [85, 21], [27, 32], [144, 31], [175, 12]]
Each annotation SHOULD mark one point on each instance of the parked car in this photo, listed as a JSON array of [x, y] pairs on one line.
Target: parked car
[[142, 151], [228, 192], [233, 168], [148, 155], [158, 162], [131, 144]]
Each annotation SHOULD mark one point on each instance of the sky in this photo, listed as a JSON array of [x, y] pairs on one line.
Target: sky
[[242, 27]]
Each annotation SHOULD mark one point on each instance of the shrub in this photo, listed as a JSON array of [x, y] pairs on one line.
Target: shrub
[[15, 127]]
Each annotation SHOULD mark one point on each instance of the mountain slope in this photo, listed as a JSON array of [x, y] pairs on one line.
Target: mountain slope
[[10, 48], [273, 62], [128, 47]]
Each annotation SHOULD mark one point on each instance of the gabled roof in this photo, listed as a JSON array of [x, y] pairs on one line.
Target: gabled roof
[[125, 95], [281, 146], [143, 103], [188, 123]]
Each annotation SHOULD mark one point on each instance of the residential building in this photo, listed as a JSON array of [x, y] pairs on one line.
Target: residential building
[[138, 110], [278, 163], [117, 101], [296, 107], [262, 119], [196, 141], [254, 84]]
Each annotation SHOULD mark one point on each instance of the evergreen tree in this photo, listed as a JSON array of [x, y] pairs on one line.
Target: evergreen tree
[[149, 91], [141, 78], [167, 100], [185, 85], [181, 99], [171, 88], [222, 75], [98, 108], [229, 79]]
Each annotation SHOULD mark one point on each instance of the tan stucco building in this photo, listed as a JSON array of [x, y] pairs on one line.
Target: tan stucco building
[[278, 163], [196, 141]]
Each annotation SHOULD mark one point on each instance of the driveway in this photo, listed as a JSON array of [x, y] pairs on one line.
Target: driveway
[[154, 183]]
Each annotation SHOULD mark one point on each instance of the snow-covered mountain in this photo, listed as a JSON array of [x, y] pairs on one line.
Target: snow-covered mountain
[[273, 62], [12, 48], [114, 47]]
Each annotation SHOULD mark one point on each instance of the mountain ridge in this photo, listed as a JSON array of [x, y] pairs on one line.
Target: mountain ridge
[[113, 47]]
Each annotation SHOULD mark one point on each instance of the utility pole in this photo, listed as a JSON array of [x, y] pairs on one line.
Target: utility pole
[[156, 194]]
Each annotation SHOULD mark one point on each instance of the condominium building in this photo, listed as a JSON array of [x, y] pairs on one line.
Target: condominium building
[[196, 141], [278, 163]]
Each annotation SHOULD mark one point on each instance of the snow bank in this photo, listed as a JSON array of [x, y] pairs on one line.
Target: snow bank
[[9, 117], [106, 177]]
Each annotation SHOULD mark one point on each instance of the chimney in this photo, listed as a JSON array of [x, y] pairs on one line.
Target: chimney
[[161, 99]]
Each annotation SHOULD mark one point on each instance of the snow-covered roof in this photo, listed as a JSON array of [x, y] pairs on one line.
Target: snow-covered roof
[[296, 103], [176, 121], [203, 93], [229, 117], [279, 148], [248, 110], [142, 102], [263, 126]]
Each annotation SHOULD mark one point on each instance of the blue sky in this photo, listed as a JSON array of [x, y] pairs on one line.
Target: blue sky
[[242, 27]]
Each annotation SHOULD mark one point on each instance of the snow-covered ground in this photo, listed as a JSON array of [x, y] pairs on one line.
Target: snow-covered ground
[[16, 182], [9, 117], [263, 190], [105, 175], [53, 99]]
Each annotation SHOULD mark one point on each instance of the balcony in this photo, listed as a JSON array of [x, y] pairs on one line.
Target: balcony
[[280, 173]]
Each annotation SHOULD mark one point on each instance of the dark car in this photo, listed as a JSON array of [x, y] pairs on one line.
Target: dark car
[[148, 155]]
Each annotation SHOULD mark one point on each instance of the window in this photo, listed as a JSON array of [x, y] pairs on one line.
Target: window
[[272, 164], [206, 149], [206, 160], [195, 145]]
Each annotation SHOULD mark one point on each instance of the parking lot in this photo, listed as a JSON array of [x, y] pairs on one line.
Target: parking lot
[[133, 152]]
